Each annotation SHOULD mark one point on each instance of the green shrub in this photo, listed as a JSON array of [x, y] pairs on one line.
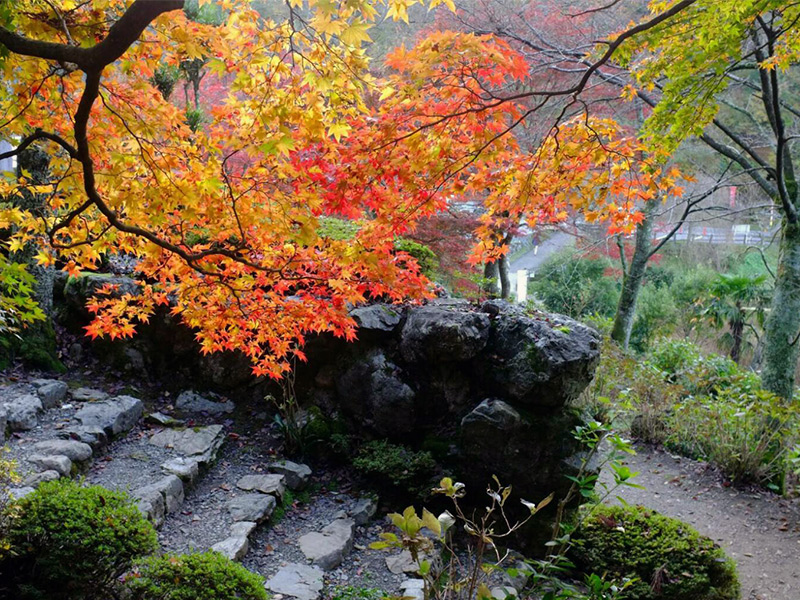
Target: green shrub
[[202, 576], [575, 285], [425, 257], [74, 542], [742, 431], [395, 465], [673, 357], [656, 314], [668, 558]]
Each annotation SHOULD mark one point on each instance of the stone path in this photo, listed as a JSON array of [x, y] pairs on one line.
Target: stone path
[[205, 486]]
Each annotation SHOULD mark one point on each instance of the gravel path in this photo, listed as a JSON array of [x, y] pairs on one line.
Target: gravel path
[[758, 529]]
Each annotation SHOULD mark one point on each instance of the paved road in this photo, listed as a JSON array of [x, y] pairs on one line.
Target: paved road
[[531, 261]]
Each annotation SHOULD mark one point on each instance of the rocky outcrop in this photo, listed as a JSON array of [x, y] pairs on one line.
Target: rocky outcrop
[[487, 384]]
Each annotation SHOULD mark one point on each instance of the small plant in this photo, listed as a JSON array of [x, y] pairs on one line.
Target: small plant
[[74, 542], [202, 576], [663, 558], [291, 420], [460, 578], [464, 573], [395, 465], [195, 118], [8, 510], [349, 592]]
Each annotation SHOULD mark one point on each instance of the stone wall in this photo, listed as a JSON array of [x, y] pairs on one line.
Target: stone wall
[[492, 383], [488, 383]]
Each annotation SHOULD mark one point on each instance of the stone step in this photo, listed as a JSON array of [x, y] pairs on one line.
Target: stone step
[[328, 547], [303, 582]]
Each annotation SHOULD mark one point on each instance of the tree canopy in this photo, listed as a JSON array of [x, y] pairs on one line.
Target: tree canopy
[[225, 219]]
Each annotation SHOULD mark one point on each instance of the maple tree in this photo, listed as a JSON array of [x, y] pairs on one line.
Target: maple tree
[[226, 220]]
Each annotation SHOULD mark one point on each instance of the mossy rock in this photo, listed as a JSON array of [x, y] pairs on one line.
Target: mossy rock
[[667, 558], [35, 346]]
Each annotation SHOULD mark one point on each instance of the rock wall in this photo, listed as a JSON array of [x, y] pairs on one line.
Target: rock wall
[[489, 384]]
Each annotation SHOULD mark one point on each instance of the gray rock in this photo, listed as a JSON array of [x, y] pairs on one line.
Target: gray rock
[[72, 449], [163, 420], [52, 462], [544, 361], [492, 415], [75, 352], [186, 468], [234, 547], [364, 510], [192, 402], [203, 442], [401, 563], [373, 391], [133, 360], [50, 391], [22, 413], [413, 588], [251, 507], [85, 394], [328, 547], [151, 504], [94, 436], [169, 489], [440, 334], [3, 422], [114, 416], [303, 582], [380, 318], [243, 528], [266, 484], [20, 492], [503, 592], [35, 479], [295, 474]]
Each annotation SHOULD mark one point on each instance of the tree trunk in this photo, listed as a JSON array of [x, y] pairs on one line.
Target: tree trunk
[[737, 333], [491, 273], [505, 280], [633, 277], [783, 322]]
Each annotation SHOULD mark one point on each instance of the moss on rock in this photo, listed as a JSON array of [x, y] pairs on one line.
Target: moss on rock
[[666, 557]]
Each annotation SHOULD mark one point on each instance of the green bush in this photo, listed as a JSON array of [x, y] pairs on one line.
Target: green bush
[[74, 542], [742, 431], [673, 357], [668, 559], [395, 465], [656, 314], [202, 576], [576, 285], [425, 257]]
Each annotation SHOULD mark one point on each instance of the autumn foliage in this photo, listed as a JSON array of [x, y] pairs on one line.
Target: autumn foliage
[[228, 222]]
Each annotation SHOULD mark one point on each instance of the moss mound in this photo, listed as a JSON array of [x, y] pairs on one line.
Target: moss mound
[[667, 558]]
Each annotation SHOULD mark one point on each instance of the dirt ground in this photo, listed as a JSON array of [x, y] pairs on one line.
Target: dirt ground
[[758, 529]]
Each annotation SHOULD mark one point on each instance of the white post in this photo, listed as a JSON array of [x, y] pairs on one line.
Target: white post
[[522, 285], [7, 165]]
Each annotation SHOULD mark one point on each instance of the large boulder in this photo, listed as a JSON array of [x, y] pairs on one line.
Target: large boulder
[[443, 333], [377, 318], [540, 360], [484, 388], [374, 393]]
